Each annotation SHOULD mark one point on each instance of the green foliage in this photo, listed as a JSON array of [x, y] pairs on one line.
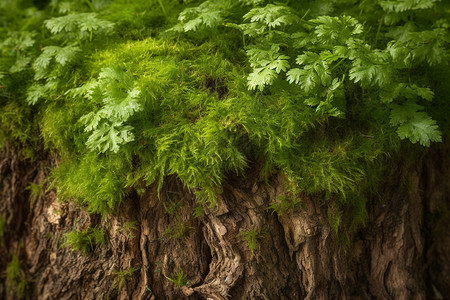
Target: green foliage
[[121, 100], [252, 237], [123, 276], [179, 279], [129, 93], [36, 191], [83, 25], [285, 203], [415, 125], [208, 14], [84, 240], [173, 206], [16, 283], [95, 182]]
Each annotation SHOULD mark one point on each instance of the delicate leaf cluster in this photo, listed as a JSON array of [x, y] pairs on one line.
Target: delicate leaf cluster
[[84, 240], [121, 99], [84, 25], [339, 51], [320, 91]]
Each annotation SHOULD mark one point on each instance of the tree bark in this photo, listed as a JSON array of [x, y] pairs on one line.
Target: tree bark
[[402, 253]]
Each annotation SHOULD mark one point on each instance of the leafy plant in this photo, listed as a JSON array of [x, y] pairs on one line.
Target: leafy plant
[[179, 279], [121, 100], [252, 237], [178, 230], [285, 203], [131, 93], [123, 276], [84, 240], [83, 25]]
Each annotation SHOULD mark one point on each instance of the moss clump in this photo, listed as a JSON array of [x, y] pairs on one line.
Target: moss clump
[[84, 240], [17, 282]]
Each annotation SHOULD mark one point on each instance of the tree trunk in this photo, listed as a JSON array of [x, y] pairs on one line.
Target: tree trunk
[[402, 253]]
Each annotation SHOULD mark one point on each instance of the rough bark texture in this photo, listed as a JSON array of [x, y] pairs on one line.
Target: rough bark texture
[[402, 253]]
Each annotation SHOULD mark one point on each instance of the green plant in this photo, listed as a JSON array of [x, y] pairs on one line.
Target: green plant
[[252, 237], [131, 93], [84, 240], [179, 279], [285, 203], [290, 200], [36, 190], [16, 279], [123, 276]]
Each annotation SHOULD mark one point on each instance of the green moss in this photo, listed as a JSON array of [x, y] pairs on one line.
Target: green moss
[[124, 102], [252, 237], [36, 190], [16, 280], [179, 278], [123, 276], [178, 230], [94, 182], [84, 240]]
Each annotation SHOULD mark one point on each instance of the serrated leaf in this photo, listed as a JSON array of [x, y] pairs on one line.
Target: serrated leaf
[[315, 72], [35, 93], [266, 65], [414, 124], [62, 56], [260, 77], [209, 14], [271, 15], [108, 125], [405, 5], [109, 137], [82, 24], [411, 92], [371, 68], [336, 30], [21, 63], [66, 54]]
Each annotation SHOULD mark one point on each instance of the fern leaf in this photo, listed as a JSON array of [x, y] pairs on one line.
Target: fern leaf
[[35, 93], [120, 100], [83, 24], [271, 15], [414, 124], [260, 77], [405, 5], [266, 65], [21, 64], [314, 73], [336, 30], [109, 137]]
